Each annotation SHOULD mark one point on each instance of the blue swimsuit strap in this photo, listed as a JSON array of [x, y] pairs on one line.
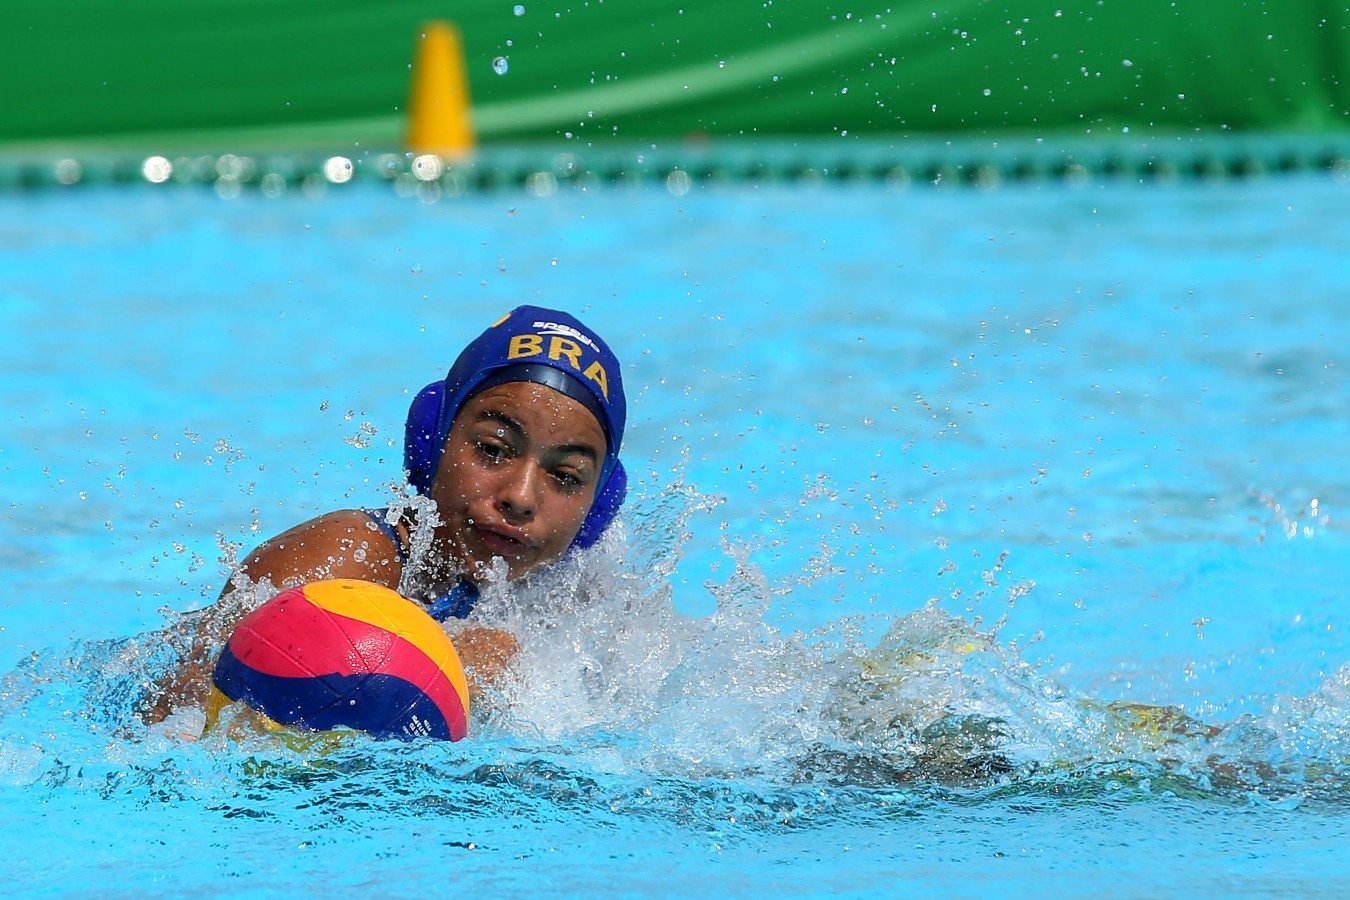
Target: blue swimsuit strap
[[455, 603], [380, 518]]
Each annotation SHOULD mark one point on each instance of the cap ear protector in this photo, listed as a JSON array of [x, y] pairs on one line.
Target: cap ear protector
[[518, 353], [419, 434]]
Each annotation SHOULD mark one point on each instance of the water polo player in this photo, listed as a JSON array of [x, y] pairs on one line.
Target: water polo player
[[518, 448]]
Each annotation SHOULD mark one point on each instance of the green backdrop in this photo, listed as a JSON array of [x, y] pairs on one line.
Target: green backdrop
[[265, 73]]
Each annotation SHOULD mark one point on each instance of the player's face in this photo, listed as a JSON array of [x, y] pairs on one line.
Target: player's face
[[519, 473]]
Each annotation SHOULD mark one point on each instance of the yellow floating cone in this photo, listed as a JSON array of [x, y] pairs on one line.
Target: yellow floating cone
[[439, 115]]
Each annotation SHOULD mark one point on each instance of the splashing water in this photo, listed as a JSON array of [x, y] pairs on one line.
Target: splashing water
[[614, 683], [622, 716]]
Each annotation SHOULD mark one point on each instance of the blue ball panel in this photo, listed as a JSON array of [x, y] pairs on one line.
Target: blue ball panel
[[383, 706]]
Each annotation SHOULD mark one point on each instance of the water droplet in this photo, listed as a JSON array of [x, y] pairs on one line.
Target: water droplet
[[988, 91], [518, 10], [500, 65]]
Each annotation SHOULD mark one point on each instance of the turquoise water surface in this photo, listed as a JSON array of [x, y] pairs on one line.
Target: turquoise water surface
[[930, 485]]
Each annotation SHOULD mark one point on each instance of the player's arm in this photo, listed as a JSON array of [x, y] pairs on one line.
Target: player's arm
[[343, 544]]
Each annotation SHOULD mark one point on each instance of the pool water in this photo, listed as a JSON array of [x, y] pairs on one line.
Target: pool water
[[932, 487]]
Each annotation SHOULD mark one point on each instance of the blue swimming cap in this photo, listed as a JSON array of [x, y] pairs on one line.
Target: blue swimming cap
[[537, 345]]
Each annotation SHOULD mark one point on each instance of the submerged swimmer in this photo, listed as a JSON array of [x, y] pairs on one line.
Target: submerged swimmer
[[517, 449]]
